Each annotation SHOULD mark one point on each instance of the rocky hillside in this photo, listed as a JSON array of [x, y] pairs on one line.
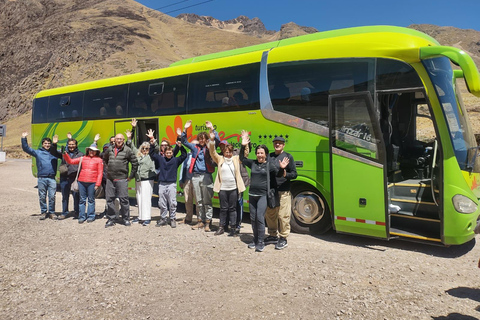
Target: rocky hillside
[[245, 25], [51, 43]]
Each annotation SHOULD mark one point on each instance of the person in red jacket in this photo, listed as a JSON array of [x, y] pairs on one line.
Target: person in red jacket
[[89, 179]]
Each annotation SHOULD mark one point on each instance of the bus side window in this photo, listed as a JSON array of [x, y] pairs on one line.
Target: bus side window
[[157, 97], [65, 107], [105, 103], [229, 89]]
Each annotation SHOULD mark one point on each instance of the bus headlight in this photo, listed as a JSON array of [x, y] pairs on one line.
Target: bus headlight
[[463, 204]]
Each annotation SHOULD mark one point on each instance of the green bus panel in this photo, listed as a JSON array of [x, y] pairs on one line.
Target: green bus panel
[[353, 183]]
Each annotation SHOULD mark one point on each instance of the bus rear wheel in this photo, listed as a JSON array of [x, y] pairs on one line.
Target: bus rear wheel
[[310, 213]]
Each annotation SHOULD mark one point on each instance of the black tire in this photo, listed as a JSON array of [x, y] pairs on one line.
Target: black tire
[[310, 212]]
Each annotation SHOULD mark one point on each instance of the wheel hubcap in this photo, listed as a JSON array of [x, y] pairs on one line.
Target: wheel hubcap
[[308, 207]]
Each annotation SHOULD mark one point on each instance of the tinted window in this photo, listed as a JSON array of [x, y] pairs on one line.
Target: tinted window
[[106, 103], [229, 89], [393, 74], [40, 107], [65, 107], [157, 97], [302, 88], [353, 126]]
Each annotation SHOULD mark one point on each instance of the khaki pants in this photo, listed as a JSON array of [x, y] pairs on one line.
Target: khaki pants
[[278, 218], [189, 200]]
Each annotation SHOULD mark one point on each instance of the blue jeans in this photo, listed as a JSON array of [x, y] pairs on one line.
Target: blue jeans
[[47, 185], [65, 186], [86, 189]]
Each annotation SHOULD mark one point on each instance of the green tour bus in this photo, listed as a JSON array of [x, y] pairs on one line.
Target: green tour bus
[[372, 116]]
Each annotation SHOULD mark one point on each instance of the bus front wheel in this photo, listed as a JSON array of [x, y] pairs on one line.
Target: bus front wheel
[[310, 213]]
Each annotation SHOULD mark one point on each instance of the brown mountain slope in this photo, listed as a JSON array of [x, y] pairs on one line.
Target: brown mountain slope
[[51, 43]]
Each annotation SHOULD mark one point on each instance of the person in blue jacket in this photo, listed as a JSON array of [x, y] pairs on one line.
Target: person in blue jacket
[[47, 169], [167, 166]]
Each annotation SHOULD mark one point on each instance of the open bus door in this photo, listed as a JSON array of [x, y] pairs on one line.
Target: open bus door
[[359, 194], [143, 125]]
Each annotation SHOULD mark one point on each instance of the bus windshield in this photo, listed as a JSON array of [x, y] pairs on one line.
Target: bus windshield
[[461, 133]]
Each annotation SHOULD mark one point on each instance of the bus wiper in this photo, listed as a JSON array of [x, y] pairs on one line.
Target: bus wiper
[[471, 163]]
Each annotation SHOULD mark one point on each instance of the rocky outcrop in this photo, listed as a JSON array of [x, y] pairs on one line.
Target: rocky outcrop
[[242, 24]]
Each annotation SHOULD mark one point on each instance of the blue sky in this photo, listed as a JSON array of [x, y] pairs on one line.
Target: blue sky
[[328, 15]]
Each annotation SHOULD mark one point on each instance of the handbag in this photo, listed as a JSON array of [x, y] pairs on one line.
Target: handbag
[[74, 186], [63, 169], [273, 199]]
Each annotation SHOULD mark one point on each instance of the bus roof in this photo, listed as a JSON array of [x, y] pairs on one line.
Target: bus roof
[[307, 38], [244, 56]]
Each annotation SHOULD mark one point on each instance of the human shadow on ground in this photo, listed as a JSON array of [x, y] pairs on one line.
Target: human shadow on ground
[[382, 245], [455, 316], [465, 293]]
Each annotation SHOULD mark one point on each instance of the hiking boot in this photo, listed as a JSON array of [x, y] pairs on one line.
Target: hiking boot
[[220, 231], [44, 216], [207, 225], [173, 223], [232, 231], [271, 240], [281, 244], [185, 221], [199, 225], [52, 216], [161, 223]]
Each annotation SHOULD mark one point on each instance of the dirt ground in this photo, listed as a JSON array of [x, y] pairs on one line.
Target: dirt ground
[[62, 270]]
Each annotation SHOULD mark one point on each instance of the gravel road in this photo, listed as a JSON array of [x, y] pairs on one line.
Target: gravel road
[[62, 270]]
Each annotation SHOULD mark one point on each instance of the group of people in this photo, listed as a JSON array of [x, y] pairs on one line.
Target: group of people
[[269, 181]]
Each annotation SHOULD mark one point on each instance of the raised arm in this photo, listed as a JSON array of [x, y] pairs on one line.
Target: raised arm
[[242, 155], [211, 129], [183, 134], [53, 149], [212, 148], [25, 145]]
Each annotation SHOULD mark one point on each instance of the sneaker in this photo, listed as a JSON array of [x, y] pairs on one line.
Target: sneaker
[[161, 222], [281, 244], [237, 230], [90, 220], [231, 233], [173, 223], [220, 231], [136, 220], [251, 245], [43, 216], [52, 216], [260, 247], [110, 223], [271, 240], [127, 223], [80, 221], [62, 216], [146, 223]]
